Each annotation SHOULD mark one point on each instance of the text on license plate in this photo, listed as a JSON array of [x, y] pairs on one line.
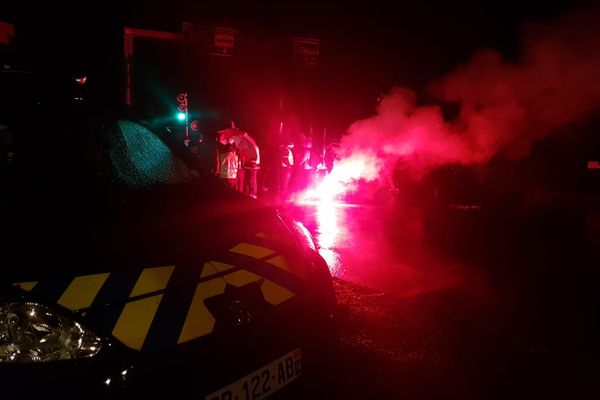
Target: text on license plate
[[264, 381]]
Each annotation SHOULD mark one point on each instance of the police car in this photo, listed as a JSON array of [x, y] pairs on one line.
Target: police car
[[124, 272]]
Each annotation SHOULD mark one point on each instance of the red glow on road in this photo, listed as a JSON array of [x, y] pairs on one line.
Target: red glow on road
[[328, 232], [331, 229], [327, 198]]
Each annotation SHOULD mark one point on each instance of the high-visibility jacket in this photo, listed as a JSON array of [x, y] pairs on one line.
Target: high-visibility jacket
[[305, 163], [287, 157], [228, 165]]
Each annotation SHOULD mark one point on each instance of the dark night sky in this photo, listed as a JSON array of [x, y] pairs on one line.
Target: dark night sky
[[435, 35], [394, 35], [438, 28], [380, 43]]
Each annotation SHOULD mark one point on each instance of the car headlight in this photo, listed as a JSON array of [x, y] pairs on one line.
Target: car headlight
[[30, 332]]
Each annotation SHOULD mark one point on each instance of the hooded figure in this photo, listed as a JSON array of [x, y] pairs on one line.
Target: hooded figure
[[306, 170], [285, 166]]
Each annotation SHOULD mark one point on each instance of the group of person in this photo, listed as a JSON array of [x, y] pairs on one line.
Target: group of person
[[238, 160], [299, 169]]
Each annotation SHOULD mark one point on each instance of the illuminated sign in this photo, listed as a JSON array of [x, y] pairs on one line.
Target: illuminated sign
[[308, 47], [307, 50], [224, 40]]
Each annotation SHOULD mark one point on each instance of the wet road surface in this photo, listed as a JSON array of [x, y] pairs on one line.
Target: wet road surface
[[457, 310]]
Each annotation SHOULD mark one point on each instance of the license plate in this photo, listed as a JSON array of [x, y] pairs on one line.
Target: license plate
[[264, 381]]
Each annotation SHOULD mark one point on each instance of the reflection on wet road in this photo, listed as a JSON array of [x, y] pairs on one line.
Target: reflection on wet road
[[392, 293], [369, 246], [331, 233], [448, 314]]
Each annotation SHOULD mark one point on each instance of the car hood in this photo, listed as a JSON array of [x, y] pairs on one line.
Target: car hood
[[62, 231], [128, 264]]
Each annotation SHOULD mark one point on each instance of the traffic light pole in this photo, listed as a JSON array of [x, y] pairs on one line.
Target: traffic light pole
[[187, 126], [182, 98]]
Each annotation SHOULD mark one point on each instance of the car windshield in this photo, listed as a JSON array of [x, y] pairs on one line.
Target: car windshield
[[116, 151], [130, 153]]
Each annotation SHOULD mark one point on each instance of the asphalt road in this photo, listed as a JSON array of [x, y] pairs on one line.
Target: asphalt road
[[479, 304]]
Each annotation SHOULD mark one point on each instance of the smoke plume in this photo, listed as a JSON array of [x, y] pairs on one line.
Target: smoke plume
[[504, 107]]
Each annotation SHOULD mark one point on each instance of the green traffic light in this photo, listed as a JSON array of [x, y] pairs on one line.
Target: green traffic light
[[181, 116]]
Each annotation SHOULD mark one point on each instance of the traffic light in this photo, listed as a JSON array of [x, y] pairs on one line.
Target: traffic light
[[182, 107], [182, 114]]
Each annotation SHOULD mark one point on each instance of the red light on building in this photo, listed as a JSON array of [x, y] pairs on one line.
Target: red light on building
[[7, 32]]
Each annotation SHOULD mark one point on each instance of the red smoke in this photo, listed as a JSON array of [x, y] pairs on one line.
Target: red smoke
[[504, 107]]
